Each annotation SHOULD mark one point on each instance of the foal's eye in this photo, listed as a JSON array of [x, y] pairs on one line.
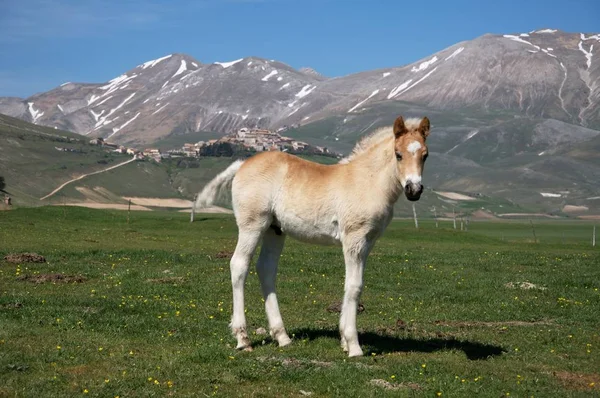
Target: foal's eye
[[398, 156], [425, 156]]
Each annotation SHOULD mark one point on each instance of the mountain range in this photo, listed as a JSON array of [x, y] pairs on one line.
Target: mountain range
[[515, 115]]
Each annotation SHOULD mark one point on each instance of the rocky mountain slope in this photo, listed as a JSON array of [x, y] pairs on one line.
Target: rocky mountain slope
[[540, 74]]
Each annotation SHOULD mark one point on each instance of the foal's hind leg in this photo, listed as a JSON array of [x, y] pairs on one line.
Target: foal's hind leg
[[267, 272], [240, 261]]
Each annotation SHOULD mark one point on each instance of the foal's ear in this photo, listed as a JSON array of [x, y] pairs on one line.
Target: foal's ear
[[424, 127], [399, 127]]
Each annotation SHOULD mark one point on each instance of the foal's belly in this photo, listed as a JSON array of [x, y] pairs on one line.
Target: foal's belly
[[319, 231]]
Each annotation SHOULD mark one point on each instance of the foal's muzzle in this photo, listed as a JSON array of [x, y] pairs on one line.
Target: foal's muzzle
[[413, 191]]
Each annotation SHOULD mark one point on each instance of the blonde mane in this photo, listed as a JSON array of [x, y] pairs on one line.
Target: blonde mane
[[376, 137]]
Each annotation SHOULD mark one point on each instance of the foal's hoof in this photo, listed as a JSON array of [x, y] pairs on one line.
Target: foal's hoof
[[245, 347], [284, 341], [355, 353]]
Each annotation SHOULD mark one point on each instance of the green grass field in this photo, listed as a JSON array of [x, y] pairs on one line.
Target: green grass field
[[145, 312]]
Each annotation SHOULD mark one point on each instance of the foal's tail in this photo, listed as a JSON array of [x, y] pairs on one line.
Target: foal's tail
[[218, 186]]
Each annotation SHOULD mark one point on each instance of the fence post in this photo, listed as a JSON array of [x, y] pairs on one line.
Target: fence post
[[415, 216], [594, 237], [193, 209], [454, 217], [128, 210], [435, 215], [533, 230]]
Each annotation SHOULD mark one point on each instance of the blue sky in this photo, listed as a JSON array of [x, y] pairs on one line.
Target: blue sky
[[44, 43]]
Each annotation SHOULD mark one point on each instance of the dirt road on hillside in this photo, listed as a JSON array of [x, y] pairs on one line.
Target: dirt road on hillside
[[86, 175]]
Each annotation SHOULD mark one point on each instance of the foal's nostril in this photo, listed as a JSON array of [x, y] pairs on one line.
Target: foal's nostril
[[413, 191], [413, 188]]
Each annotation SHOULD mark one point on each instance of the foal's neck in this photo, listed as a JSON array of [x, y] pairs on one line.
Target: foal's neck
[[381, 163]]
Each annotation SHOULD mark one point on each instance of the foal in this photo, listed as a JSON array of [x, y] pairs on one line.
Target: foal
[[275, 194]]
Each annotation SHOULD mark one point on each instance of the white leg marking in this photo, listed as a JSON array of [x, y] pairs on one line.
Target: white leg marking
[[267, 273], [240, 261], [355, 255]]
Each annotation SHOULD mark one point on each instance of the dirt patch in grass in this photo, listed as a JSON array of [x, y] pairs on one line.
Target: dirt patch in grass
[[575, 381], [24, 258], [386, 385], [167, 279], [53, 278], [224, 254], [466, 324], [296, 363], [337, 307], [11, 306], [523, 285]]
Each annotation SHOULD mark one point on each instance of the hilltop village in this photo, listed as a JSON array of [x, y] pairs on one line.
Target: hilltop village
[[245, 140]]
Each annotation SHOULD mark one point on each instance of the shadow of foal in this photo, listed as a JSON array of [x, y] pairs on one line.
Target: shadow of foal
[[383, 344]]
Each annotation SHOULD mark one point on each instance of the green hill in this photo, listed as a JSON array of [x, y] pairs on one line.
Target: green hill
[[34, 159]]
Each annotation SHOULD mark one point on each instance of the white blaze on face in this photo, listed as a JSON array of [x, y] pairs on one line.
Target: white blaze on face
[[412, 177], [413, 147]]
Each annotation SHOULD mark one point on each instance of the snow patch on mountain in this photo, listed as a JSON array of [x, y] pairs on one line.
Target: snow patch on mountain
[[386, 74], [546, 31], [93, 99], [103, 101], [588, 54], [182, 68], [115, 83], [96, 115], [271, 74], [284, 86], [160, 109], [228, 64], [417, 82], [103, 120], [396, 90], [153, 62], [592, 37], [35, 114], [374, 93], [518, 39], [455, 53], [305, 91], [116, 129], [424, 65]]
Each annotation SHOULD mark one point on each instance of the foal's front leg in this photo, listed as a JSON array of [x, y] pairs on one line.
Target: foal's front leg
[[355, 255]]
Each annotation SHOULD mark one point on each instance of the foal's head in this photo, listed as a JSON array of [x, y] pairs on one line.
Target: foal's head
[[411, 153]]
